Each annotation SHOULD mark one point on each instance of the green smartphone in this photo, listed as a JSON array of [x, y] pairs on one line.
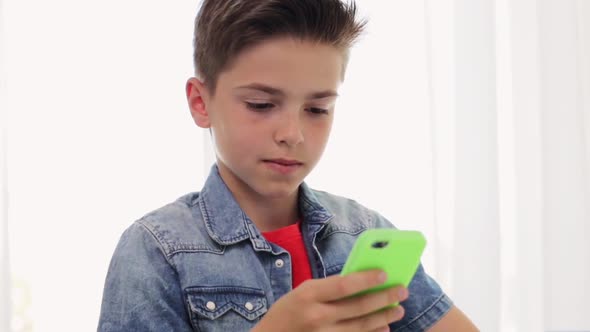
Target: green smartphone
[[394, 251]]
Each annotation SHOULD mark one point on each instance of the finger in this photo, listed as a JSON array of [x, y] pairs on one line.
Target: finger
[[372, 321], [381, 329], [365, 304], [338, 287]]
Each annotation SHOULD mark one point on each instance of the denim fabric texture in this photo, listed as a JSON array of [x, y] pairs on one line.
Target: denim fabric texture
[[200, 264]]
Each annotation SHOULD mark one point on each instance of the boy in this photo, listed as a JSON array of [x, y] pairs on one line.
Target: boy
[[257, 249]]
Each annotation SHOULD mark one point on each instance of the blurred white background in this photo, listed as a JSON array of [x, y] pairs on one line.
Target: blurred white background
[[466, 119]]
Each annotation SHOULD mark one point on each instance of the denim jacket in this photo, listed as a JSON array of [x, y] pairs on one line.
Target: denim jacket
[[200, 264]]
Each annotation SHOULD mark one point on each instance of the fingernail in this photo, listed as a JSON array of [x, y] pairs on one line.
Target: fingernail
[[402, 293], [382, 277], [399, 311]]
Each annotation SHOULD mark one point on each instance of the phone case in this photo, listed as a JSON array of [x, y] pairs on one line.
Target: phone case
[[394, 251]]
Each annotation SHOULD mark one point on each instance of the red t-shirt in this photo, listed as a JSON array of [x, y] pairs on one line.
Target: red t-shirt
[[290, 239]]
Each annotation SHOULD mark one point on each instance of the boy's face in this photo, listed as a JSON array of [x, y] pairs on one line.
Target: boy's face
[[271, 114]]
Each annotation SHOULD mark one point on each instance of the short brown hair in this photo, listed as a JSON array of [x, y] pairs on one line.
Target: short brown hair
[[223, 28]]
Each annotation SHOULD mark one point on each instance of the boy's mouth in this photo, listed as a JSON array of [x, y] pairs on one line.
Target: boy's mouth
[[284, 162], [283, 166]]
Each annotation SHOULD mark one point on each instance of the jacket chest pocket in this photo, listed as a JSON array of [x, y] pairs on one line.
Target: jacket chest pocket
[[225, 308]]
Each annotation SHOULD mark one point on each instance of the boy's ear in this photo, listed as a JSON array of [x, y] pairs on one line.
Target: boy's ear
[[197, 97]]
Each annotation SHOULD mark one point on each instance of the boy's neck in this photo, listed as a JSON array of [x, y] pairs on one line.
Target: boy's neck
[[267, 214], [271, 215]]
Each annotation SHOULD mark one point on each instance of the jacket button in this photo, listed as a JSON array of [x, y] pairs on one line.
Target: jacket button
[[279, 263], [249, 306], [211, 305]]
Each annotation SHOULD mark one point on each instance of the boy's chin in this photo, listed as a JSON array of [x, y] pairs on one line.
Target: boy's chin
[[275, 191]]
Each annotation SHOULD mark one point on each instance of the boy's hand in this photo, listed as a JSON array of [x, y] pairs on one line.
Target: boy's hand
[[322, 305]]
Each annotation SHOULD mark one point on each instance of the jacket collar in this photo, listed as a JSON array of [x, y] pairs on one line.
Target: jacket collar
[[228, 224]]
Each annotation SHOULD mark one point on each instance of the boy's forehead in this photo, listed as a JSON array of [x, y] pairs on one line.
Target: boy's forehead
[[281, 66]]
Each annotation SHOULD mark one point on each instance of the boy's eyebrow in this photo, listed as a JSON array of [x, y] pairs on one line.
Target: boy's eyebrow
[[278, 92]]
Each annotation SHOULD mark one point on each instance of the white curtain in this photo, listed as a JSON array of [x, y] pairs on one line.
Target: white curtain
[[511, 103], [466, 119], [5, 312]]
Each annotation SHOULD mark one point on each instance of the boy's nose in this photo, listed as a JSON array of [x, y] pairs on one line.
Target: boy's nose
[[289, 131]]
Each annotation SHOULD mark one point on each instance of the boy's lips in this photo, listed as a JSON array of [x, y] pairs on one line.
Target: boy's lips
[[283, 166], [286, 162]]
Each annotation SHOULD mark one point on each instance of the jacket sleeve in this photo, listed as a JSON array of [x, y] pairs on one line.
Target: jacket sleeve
[[142, 291]]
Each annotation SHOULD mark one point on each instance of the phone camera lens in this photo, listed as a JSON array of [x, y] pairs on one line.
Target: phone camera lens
[[380, 244]]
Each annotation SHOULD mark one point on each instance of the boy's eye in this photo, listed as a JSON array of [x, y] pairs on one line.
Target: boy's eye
[[318, 111], [259, 106]]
